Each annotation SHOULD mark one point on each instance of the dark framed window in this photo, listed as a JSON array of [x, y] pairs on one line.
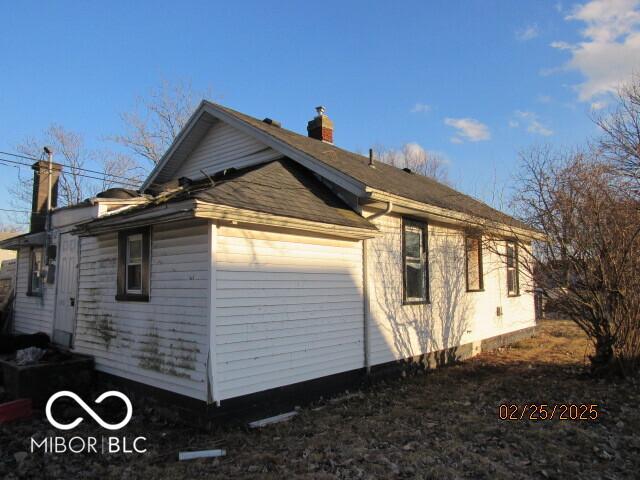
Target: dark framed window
[[34, 288], [473, 263], [414, 262], [133, 265], [513, 282]]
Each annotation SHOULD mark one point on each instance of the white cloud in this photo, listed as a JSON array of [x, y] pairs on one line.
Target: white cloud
[[415, 149], [562, 45], [527, 33], [421, 108], [598, 105], [468, 129], [544, 98], [532, 122], [610, 49]]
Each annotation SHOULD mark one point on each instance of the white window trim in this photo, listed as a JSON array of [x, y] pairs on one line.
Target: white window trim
[[135, 236], [32, 256], [514, 269], [409, 225]]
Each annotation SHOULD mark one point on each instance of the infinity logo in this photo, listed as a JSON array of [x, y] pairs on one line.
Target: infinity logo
[[89, 410]]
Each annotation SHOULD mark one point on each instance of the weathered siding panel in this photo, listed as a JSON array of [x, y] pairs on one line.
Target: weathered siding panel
[[288, 309], [224, 147], [454, 316], [163, 342], [32, 314]]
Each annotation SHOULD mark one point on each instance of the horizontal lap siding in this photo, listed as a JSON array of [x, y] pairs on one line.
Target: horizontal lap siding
[[454, 316], [288, 309], [163, 342], [32, 314], [224, 147]]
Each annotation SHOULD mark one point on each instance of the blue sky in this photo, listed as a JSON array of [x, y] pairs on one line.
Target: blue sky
[[475, 81]]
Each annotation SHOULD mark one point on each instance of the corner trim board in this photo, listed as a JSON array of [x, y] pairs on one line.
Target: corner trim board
[[212, 388]]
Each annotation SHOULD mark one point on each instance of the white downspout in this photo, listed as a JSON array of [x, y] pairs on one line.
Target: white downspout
[[365, 290]]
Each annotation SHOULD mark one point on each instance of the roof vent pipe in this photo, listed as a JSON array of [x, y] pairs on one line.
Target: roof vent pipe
[[371, 158]]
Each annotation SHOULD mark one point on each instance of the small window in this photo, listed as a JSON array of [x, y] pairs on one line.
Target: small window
[[473, 262], [35, 272], [133, 265], [513, 287], [414, 255]]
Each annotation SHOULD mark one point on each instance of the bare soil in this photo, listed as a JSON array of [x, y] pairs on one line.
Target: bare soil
[[444, 424]]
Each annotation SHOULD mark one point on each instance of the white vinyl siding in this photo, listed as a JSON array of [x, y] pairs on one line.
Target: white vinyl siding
[[163, 342], [453, 316], [224, 147], [32, 313], [288, 309]]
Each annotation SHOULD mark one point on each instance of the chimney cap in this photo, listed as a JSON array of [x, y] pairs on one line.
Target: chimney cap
[[320, 109]]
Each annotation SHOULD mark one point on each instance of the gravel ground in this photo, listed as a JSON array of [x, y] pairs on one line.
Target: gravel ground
[[444, 424]]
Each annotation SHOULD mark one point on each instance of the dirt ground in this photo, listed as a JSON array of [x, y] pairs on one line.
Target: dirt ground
[[444, 424]]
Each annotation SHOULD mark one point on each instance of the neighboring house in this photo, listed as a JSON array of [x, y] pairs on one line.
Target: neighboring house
[[7, 254], [257, 258], [7, 276]]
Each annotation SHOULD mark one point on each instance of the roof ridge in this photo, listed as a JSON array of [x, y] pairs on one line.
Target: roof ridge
[[365, 160], [420, 188]]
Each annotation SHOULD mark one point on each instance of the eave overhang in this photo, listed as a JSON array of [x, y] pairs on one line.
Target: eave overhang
[[461, 220], [26, 240], [197, 209]]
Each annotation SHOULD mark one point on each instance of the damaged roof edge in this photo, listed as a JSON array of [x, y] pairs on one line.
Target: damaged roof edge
[[197, 209]]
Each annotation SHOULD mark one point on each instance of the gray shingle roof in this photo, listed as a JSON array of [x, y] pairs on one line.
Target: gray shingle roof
[[383, 177], [281, 187]]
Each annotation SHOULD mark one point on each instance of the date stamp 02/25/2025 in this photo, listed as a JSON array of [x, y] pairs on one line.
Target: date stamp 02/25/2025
[[542, 411]]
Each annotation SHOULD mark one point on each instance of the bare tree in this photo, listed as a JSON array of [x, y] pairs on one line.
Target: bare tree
[[76, 183], [8, 228], [416, 158], [588, 265], [620, 142], [157, 119]]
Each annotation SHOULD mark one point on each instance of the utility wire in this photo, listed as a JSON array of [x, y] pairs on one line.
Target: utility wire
[[11, 210], [105, 177], [67, 166]]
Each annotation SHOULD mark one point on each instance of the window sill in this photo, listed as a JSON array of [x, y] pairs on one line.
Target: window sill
[[475, 291], [132, 297], [34, 294], [513, 295], [416, 302]]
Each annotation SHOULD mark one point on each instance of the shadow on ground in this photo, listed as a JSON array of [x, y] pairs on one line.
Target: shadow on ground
[[444, 424]]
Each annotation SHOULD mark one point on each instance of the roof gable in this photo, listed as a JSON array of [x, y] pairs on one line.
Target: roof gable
[[221, 147]]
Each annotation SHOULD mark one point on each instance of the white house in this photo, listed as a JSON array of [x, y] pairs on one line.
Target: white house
[[258, 260]]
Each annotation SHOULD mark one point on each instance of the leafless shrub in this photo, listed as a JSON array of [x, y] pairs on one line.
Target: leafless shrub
[[589, 264]]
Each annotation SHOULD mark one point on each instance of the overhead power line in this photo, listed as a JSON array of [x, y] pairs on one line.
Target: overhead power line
[[26, 157], [105, 176]]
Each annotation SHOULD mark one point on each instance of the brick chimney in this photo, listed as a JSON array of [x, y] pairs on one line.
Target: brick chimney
[[321, 128], [41, 192]]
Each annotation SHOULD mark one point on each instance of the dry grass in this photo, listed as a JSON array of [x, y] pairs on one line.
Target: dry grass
[[441, 425]]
